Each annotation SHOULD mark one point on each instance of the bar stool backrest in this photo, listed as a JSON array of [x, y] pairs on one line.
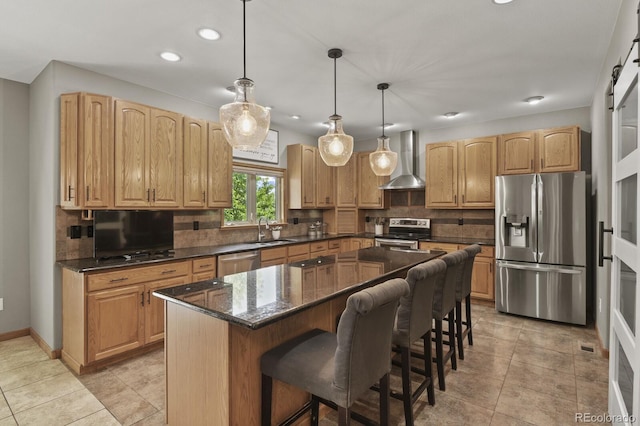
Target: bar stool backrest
[[444, 299], [364, 335], [465, 288], [415, 313]]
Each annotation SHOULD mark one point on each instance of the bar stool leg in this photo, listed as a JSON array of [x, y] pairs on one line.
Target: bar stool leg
[[406, 385], [467, 301], [459, 335], [315, 410], [439, 355], [344, 416], [384, 400], [267, 385], [452, 340], [428, 371]]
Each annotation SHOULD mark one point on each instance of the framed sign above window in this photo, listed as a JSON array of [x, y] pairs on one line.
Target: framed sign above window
[[267, 152]]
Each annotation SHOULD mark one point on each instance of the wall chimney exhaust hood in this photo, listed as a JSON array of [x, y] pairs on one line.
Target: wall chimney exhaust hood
[[408, 164]]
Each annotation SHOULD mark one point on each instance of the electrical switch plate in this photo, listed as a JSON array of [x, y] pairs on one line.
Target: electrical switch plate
[[1, 303], [460, 221], [90, 231], [196, 225], [75, 231]]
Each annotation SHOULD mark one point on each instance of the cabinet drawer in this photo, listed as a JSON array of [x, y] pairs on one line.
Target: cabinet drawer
[[333, 244], [298, 249], [486, 251], [274, 253], [439, 246], [318, 246], [205, 264], [141, 274]]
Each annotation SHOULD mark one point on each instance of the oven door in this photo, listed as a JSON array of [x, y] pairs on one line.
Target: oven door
[[388, 242]]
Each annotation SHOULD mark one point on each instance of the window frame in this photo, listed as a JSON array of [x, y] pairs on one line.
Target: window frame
[[253, 169]]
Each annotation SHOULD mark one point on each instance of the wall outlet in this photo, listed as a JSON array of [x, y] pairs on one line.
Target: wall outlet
[[1, 303], [600, 304], [196, 225], [460, 221], [75, 231]]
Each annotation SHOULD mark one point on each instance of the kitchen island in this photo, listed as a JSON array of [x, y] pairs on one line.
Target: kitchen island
[[216, 330]]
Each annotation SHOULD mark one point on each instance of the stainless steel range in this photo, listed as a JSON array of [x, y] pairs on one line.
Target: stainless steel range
[[405, 233]]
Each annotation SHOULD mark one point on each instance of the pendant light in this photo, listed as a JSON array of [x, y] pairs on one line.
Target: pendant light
[[383, 161], [245, 123], [335, 147]]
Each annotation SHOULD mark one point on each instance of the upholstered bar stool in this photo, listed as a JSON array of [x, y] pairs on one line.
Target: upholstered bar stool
[[463, 292], [413, 322], [444, 304], [338, 368]]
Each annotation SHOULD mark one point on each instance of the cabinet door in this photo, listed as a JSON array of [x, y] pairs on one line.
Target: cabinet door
[[194, 163], [132, 185], [86, 125], [559, 150], [477, 172], [482, 278], [301, 171], [369, 195], [308, 176], [220, 169], [516, 153], [165, 154], [370, 270], [115, 321], [441, 189], [325, 183], [154, 308], [346, 183]]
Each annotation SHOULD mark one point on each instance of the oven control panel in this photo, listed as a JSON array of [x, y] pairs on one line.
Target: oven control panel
[[410, 223]]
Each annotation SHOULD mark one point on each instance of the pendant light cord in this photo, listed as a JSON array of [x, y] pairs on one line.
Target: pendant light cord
[[244, 39], [335, 91], [383, 113]]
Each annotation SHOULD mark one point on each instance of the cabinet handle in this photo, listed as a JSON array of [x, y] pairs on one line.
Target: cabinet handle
[[205, 266], [87, 192], [462, 198], [379, 200], [69, 192], [355, 200], [154, 195], [531, 164], [169, 271], [148, 297], [541, 164], [117, 280], [142, 299], [148, 198], [204, 197], [455, 198]]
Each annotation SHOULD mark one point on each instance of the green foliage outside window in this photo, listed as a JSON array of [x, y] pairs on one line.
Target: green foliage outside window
[[266, 197], [254, 196], [238, 211]]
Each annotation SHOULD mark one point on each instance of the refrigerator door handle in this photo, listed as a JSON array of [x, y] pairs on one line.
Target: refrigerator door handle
[[533, 235], [539, 236], [559, 270]]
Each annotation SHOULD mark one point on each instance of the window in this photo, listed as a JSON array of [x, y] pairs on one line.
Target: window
[[257, 192]]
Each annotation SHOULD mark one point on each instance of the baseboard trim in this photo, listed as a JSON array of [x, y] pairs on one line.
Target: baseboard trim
[[604, 352], [14, 334], [51, 353]]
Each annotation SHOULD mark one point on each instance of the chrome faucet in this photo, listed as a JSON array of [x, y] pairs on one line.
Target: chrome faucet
[[266, 226]]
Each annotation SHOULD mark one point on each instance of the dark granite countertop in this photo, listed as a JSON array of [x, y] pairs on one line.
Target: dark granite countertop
[[256, 298]]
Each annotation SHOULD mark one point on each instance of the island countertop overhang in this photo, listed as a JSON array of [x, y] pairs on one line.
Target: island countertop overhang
[[263, 296]]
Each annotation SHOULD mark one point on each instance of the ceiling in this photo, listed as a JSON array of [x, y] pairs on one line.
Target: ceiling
[[469, 56]]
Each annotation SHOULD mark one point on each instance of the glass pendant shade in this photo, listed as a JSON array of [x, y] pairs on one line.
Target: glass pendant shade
[[335, 147], [383, 161], [245, 124]]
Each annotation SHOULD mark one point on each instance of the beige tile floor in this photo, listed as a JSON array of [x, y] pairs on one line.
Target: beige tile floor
[[518, 372]]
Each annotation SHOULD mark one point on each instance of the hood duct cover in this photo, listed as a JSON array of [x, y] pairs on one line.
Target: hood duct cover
[[408, 164]]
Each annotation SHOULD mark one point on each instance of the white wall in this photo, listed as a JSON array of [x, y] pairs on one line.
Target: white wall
[[623, 35], [55, 79], [14, 224]]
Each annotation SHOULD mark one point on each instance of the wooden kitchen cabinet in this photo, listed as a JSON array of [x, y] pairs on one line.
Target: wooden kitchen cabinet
[[194, 163], [360, 243], [432, 245], [347, 184], [273, 256], [461, 174], [325, 183], [369, 195], [540, 151], [148, 156], [108, 315], [86, 144], [301, 171], [204, 268], [297, 252], [220, 169]]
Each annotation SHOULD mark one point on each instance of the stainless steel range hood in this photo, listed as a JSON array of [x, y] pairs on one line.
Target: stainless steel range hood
[[408, 162]]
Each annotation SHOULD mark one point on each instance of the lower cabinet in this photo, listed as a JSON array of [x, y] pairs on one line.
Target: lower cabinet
[[482, 279], [360, 243], [105, 314]]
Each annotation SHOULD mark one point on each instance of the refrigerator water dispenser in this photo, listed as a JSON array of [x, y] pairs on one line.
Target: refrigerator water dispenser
[[517, 230]]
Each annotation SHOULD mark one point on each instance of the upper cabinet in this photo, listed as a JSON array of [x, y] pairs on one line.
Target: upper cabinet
[[301, 169], [325, 183], [148, 156], [86, 146], [346, 183], [540, 151], [195, 163], [461, 174], [220, 169], [369, 195]]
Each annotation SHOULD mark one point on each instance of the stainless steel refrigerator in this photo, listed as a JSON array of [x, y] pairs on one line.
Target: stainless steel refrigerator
[[541, 253]]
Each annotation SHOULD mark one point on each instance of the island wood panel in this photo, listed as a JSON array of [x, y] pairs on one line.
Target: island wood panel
[[165, 155], [73, 320], [195, 163], [516, 153], [247, 346], [441, 175], [197, 360]]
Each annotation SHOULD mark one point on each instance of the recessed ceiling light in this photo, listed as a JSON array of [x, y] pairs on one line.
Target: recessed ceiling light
[[502, 1], [209, 34], [534, 100], [295, 116], [451, 114], [170, 56]]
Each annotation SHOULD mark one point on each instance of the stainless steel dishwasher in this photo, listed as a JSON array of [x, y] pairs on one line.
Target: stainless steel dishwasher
[[238, 262]]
